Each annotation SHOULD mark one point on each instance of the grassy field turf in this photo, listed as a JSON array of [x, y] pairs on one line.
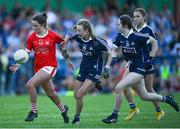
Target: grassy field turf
[[13, 110]]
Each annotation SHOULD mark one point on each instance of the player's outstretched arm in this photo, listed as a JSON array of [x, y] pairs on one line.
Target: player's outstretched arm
[[14, 67], [70, 64], [20, 56], [65, 42], [106, 71], [154, 46]]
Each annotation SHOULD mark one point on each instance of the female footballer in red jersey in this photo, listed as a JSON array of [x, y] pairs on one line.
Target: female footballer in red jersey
[[43, 42]]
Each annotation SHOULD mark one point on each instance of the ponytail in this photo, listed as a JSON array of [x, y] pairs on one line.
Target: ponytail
[[41, 18]]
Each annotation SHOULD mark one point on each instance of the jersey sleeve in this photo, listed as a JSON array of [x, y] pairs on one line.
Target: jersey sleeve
[[103, 45], [29, 43], [73, 36], [58, 39], [143, 39], [116, 41], [152, 34]]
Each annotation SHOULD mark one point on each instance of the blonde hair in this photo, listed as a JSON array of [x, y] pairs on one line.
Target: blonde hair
[[86, 25]]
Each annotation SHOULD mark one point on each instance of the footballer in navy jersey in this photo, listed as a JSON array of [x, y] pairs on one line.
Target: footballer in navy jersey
[[147, 30], [92, 61], [140, 19], [91, 66], [132, 47]]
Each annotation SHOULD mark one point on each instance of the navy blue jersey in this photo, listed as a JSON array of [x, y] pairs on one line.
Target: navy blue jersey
[[133, 46], [145, 29], [92, 51]]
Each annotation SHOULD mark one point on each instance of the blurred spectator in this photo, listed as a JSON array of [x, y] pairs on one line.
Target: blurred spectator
[[165, 75], [16, 10], [89, 12]]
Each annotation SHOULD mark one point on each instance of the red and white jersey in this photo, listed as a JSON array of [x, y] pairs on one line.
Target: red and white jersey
[[44, 49]]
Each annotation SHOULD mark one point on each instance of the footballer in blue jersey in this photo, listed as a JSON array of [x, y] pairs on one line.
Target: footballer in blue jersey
[[92, 61], [133, 45], [140, 19], [146, 30], [91, 66]]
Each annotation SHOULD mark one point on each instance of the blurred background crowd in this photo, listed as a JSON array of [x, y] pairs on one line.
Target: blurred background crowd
[[15, 27]]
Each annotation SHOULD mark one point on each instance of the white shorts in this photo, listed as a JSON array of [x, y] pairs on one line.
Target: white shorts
[[50, 70]]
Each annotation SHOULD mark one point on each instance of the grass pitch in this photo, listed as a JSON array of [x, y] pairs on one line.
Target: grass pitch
[[13, 110]]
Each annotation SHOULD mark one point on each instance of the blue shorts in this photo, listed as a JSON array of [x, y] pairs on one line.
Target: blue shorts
[[91, 75], [137, 68], [151, 70]]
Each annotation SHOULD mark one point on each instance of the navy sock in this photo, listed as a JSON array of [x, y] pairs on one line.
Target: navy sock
[[77, 116], [132, 105], [158, 109], [115, 112], [166, 99]]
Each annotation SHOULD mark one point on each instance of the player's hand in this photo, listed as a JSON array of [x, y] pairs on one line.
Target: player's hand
[[106, 73], [70, 64], [66, 39], [65, 53], [152, 60], [149, 63], [14, 67]]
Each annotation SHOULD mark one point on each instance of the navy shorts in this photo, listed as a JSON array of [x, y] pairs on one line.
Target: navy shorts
[[151, 70], [137, 68], [91, 75]]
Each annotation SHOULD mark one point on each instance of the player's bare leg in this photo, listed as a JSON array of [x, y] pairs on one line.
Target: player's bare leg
[[133, 109], [77, 86], [128, 94], [144, 95], [39, 78], [80, 93], [49, 89], [149, 86], [128, 81]]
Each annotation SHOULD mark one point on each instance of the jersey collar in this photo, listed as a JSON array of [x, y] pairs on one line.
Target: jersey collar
[[43, 35], [87, 40], [138, 30], [130, 32]]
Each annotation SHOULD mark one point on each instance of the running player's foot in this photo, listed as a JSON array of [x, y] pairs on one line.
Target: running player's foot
[[159, 115], [111, 119], [170, 100], [31, 116], [64, 114], [132, 113], [76, 120], [98, 86]]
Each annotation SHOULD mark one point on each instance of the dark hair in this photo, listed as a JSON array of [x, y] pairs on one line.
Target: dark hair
[[41, 18], [86, 25], [143, 12], [126, 20]]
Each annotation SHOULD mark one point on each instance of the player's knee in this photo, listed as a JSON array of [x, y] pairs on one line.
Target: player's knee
[[79, 95], [150, 90], [75, 95], [118, 90], [30, 85], [144, 97]]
